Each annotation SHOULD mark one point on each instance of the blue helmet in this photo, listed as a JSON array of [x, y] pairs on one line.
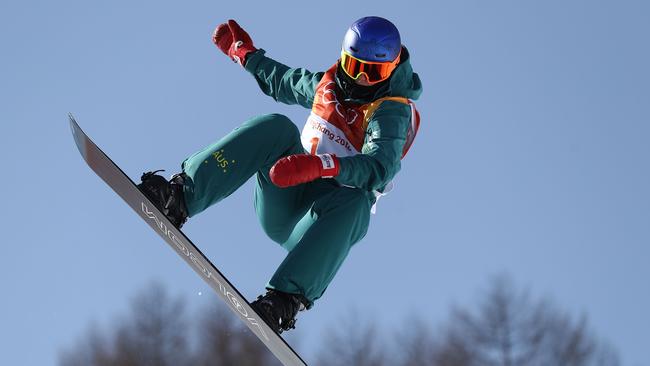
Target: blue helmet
[[373, 39]]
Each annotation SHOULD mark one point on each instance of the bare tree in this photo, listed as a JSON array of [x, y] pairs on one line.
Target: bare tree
[[353, 342], [414, 344], [92, 350], [509, 328], [156, 332], [223, 340]]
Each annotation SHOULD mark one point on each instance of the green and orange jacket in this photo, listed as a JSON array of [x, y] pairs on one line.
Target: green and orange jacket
[[376, 141]]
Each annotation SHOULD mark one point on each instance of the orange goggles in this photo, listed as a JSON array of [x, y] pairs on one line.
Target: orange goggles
[[374, 71]]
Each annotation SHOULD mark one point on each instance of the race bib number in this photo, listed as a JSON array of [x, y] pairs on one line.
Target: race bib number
[[321, 137]]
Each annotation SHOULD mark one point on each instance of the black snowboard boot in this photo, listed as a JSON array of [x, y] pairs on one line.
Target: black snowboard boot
[[167, 196], [279, 309]]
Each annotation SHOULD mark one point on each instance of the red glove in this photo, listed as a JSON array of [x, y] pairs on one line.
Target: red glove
[[233, 41], [297, 169]]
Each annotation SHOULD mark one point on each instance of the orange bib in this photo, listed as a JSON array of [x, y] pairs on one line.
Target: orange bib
[[336, 128]]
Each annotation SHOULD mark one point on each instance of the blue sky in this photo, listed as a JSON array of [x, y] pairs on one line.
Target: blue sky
[[532, 159]]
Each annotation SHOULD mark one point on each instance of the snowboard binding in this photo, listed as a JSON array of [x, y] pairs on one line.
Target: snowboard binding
[[167, 196], [279, 309]]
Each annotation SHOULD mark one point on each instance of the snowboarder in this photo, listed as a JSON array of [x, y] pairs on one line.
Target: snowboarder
[[315, 190]]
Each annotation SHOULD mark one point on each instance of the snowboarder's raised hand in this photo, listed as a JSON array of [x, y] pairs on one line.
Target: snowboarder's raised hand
[[297, 169], [233, 41]]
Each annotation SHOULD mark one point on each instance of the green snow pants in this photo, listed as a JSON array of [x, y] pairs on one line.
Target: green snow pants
[[317, 222]]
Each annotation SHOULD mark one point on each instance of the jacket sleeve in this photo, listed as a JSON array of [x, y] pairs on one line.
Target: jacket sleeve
[[381, 154], [282, 83]]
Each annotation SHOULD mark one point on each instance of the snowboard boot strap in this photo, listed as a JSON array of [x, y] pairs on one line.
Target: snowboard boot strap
[[167, 196], [279, 309], [175, 204]]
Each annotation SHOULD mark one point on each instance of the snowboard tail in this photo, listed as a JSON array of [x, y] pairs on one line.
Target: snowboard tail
[[108, 171]]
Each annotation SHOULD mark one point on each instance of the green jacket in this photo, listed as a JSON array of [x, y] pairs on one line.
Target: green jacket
[[381, 154]]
